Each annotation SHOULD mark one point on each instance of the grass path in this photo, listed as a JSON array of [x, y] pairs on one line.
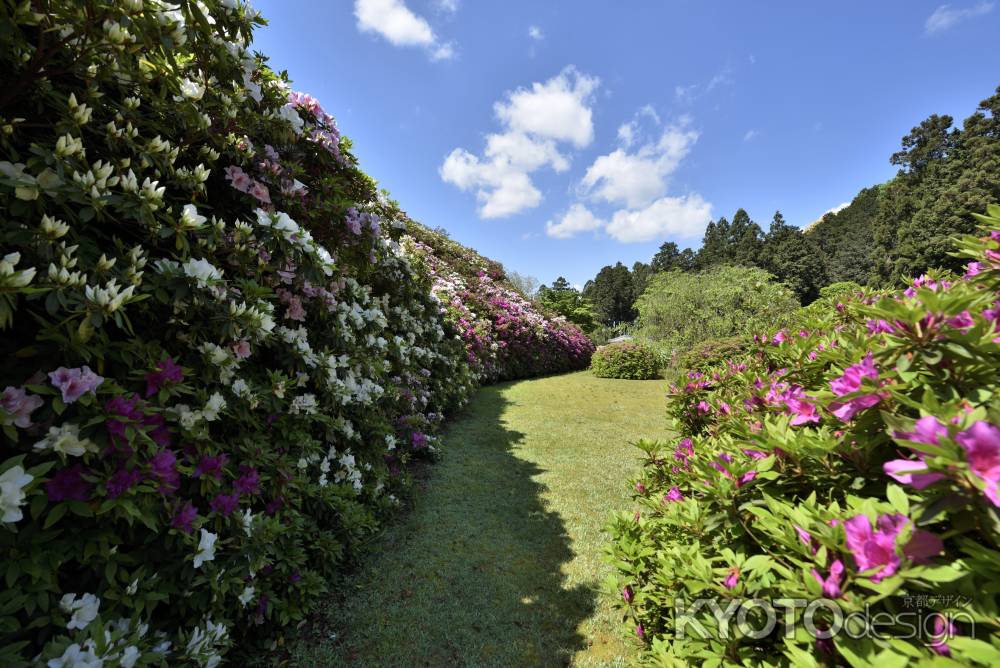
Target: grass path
[[499, 561]]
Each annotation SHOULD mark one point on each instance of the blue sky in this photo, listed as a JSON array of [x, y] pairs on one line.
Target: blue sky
[[558, 136]]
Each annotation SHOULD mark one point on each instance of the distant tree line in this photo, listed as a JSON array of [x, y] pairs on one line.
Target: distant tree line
[[889, 233]]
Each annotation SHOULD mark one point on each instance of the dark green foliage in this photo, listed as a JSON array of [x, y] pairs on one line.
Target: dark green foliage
[[846, 238], [946, 174], [670, 257], [629, 361], [564, 299], [794, 259], [612, 293]]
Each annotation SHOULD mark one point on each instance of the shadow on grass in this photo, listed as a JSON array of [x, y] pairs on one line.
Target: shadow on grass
[[471, 577]]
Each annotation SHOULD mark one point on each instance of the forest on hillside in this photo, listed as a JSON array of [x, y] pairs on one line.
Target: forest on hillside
[[888, 234]]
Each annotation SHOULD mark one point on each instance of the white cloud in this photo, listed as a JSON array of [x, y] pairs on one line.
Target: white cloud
[[837, 209], [535, 33], [577, 219], [945, 16], [751, 135], [686, 216], [450, 6], [535, 121], [636, 179], [394, 21], [557, 109]]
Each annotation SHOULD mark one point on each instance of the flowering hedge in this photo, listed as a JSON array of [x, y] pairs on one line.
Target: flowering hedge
[[853, 457], [507, 335], [218, 356]]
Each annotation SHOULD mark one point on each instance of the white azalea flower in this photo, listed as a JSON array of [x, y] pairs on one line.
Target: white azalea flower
[[246, 596], [76, 657], [202, 271], [65, 439], [206, 548], [83, 610], [12, 484], [192, 89], [191, 219]]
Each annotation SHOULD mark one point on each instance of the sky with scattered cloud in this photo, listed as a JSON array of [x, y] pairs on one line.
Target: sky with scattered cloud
[[559, 137]]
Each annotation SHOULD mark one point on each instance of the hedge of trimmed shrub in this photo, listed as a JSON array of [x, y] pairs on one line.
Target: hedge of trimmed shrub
[[508, 336], [218, 355], [628, 360], [854, 456]]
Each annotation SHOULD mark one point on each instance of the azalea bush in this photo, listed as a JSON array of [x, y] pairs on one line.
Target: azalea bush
[[507, 335], [631, 361], [852, 456], [221, 346]]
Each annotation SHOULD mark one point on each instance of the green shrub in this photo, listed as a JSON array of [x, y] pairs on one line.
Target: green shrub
[[627, 360], [711, 353], [853, 456], [680, 309]]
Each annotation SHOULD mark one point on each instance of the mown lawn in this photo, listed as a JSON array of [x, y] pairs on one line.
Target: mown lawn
[[499, 561]]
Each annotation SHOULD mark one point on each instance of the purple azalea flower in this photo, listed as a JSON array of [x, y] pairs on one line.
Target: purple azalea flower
[[910, 472], [166, 371], [248, 482], [225, 504], [211, 466], [274, 506], [627, 594], [68, 485], [121, 481], [639, 487], [164, 468], [732, 579], [185, 517], [674, 494], [853, 375], [962, 321], [74, 383]]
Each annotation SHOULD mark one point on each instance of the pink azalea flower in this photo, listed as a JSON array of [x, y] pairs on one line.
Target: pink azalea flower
[[973, 269], [880, 327], [241, 349], [779, 338], [260, 192], [803, 411], [639, 631], [981, 442], [732, 579], [639, 487], [627, 594], [238, 178], [74, 383], [831, 583], [18, 403]]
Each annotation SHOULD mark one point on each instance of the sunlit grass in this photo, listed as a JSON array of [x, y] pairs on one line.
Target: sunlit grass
[[499, 563]]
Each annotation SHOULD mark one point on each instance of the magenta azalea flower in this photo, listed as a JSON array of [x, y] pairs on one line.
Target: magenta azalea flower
[[248, 482], [732, 579], [853, 375], [163, 466], [831, 583], [121, 481], [74, 383], [627, 594], [910, 472], [674, 494], [876, 548], [981, 442]]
